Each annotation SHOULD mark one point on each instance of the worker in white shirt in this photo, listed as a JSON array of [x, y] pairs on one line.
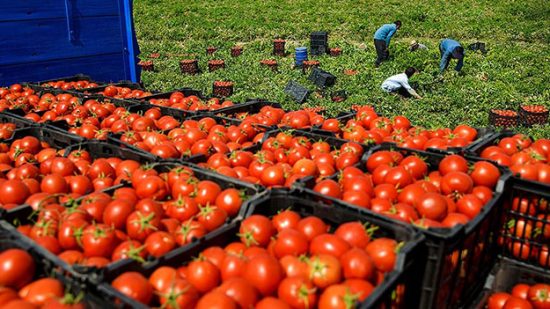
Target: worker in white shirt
[[400, 84]]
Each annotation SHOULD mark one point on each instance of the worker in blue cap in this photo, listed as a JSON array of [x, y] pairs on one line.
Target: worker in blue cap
[[382, 38], [450, 49]]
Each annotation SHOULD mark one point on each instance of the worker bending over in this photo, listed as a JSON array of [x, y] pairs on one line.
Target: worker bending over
[[382, 38], [450, 49]]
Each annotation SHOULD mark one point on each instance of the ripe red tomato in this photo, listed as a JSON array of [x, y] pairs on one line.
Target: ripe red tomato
[[383, 253], [179, 294], [230, 200], [517, 303], [216, 299], [162, 277], [497, 300], [16, 268], [357, 264], [539, 295], [98, 240], [159, 243], [328, 187], [256, 230], [134, 285], [456, 183], [241, 291], [203, 275], [453, 163], [41, 291], [432, 206], [324, 270], [485, 174], [355, 233], [290, 242], [265, 273], [297, 292], [337, 296], [285, 219], [328, 244], [312, 227], [470, 205]]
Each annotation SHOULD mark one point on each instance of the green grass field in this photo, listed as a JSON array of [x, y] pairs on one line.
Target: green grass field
[[515, 71]]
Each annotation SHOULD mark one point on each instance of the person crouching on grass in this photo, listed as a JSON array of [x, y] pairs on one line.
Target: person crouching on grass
[[400, 84], [450, 49], [382, 38]]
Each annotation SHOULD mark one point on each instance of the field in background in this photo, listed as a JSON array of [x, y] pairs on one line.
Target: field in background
[[516, 69]]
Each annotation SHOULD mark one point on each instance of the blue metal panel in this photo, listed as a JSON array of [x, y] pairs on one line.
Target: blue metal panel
[[48, 9], [54, 38], [109, 65]]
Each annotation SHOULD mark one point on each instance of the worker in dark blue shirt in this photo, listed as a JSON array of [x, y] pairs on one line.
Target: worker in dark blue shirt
[[450, 49], [382, 38]]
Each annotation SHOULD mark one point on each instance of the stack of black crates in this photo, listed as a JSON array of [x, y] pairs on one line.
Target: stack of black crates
[[319, 43]]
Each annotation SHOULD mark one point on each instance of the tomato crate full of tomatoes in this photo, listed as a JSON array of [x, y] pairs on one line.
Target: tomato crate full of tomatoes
[[42, 135], [75, 82], [284, 156], [368, 127], [188, 139], [454, 201], [120, 90], [15, 119], [524, 233], [32, 277], [289, 251], [527, 158], [271, 115], [187, 99], [512, 285], [158, 209]]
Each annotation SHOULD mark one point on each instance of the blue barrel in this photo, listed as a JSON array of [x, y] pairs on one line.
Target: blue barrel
[[301, 55]]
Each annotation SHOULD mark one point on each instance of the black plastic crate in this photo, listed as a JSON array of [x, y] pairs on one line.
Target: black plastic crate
[[342, 119], [55, 138], [407, 265], [490, 140], [318, 50], [319, 36], [506, 121], [49, 265], [63, 126], [101, 149], [165, 95], [24, 214], [458, 259], [180, 115], [97, 90], [41, 85], [322, 79], [528, 118], [483, 134], [524, 233], [297, 91], [334, 142], [504, 276], [314, 136], [73, 78], [16, 117], [250, 108]]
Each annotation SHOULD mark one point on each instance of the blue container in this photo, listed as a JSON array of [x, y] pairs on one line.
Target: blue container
[[301, 55], [48, 39]]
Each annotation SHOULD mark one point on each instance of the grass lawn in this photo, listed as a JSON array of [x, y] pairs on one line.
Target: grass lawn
[[515, 71]]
